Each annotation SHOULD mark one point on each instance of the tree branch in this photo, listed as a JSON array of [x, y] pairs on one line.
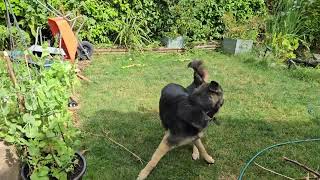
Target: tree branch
[[115, 142], [303, 166], [273, 172]]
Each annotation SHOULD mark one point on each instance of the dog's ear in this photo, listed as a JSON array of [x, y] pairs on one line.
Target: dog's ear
[[214, 86]]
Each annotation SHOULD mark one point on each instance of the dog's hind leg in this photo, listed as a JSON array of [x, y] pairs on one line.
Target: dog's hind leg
[[195, 153], [203, 151], [162, 149]]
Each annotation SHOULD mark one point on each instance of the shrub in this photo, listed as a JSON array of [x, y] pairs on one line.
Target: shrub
[[198, 20], [284, 45], [311, 22], [42, 131], [245, 29], [293, 21]]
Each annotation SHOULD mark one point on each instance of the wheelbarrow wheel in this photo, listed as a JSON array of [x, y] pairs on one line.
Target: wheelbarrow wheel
[[85, 50]]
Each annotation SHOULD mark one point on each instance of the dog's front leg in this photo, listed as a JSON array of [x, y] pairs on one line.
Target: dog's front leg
[[162, 149], [203, 151], [195, 152]]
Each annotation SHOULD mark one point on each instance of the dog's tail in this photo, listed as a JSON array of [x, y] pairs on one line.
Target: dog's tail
[[200, 73]]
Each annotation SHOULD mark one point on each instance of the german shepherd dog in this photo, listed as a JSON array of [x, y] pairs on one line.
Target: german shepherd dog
[[185, 113]]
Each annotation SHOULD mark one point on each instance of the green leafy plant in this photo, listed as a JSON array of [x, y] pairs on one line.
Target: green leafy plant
[[248, 29], [292, 21], [311, 22], [284, 45], [43, 132], [3, 37], [132, 33], [286, 17], [20, 38], [199, 20]]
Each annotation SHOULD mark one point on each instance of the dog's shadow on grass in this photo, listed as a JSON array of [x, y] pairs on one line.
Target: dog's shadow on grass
[[141, 133], [235, 140]]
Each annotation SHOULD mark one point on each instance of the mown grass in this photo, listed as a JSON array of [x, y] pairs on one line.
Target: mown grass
[[263, 106]]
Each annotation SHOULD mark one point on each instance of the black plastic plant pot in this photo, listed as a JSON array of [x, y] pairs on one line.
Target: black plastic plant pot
[[77, 174]]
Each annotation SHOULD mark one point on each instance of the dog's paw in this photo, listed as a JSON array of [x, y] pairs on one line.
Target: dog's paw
[[209, 159], [142, 175], [140, 178], [195, 155]]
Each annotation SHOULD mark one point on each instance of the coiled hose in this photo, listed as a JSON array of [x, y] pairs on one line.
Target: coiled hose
[[244, 168]]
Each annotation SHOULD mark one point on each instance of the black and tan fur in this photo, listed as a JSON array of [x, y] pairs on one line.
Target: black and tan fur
[[185, 113]]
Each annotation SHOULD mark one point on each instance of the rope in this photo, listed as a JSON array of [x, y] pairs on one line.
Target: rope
[[16, 22], [9, 25], [244, 168], [47, 8], [52, 10]]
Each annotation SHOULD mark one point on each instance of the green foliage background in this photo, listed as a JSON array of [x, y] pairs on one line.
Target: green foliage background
[[197, 20]]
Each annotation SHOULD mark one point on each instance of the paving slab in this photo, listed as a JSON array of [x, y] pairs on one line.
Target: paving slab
[[9, 163]]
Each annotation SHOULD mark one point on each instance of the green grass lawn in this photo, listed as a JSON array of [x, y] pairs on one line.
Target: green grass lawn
[[263, 105]]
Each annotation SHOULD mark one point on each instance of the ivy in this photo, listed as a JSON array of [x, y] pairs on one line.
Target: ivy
[[196, 19]]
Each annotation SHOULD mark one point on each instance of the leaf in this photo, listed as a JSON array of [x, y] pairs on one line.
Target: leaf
[[45, 53], [32, 132], [33, 149], [43, 171], [27, 118], [5, 110], [59, 174], [9, 139], [50, 134], [32, 27], [57, 160], [36, 175], [29, 103], [37, 123]]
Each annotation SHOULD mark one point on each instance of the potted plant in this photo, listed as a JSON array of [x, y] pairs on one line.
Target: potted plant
[[239, 36], [173, 39], [37, 121]]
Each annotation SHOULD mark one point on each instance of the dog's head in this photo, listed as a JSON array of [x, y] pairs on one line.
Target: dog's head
[[209, 97]]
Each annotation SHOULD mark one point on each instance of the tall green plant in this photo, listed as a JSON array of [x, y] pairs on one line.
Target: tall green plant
[[245, 29], [311, 22], [284, 45], [43, 132], [294, 20], [199, 20], [286, 18], [133, 32]]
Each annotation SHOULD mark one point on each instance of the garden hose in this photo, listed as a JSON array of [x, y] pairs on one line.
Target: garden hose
[[268, 148]]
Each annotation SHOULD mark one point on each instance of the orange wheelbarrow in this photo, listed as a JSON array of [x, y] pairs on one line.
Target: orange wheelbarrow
[[69, 45], [68, 40]]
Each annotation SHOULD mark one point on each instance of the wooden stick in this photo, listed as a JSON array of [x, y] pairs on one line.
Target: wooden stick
[[84, 151], [83, 77], [14, 81], [10, 69], [312, 63], [115, 142], [273, 172], [303, 166], [123, 147], [304, 178]]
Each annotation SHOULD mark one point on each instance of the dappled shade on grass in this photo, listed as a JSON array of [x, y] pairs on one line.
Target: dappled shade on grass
[[263, 106]]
